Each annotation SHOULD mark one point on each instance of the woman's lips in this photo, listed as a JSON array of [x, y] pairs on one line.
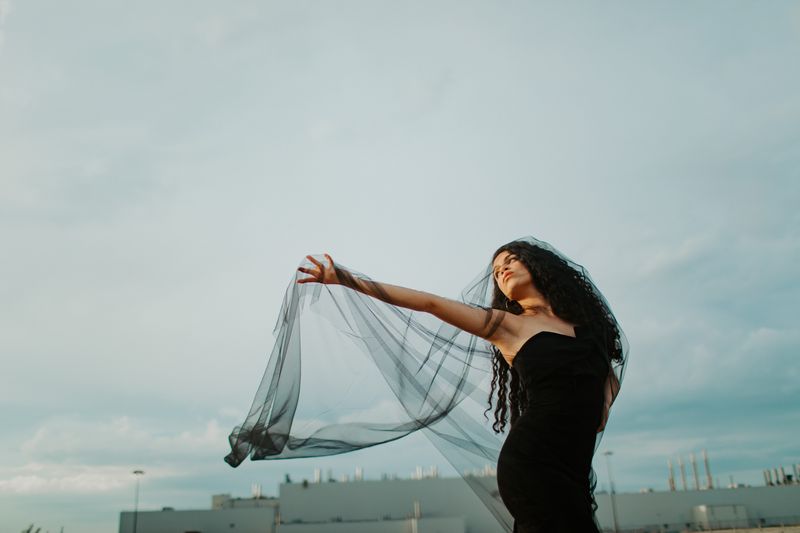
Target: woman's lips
[[506, 276]]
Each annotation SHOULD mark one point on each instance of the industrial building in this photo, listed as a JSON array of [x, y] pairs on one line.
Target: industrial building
[[448, 505]]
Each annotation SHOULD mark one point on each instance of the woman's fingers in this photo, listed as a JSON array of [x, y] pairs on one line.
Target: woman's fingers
[[317, 274]]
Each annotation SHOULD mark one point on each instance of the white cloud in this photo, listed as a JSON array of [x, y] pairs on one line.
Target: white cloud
[[47, 478], [77, 455], [122, 437]]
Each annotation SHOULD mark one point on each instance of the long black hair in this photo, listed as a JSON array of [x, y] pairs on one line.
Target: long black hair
[[572, 297]]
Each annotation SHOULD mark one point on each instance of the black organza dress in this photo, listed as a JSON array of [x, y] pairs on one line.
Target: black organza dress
[[543, 471], [348, 372]]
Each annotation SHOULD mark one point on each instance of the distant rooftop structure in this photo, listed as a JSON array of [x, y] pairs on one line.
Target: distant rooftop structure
[[426, 502]]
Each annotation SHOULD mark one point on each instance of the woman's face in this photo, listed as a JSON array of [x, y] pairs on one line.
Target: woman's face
[[510, 274]]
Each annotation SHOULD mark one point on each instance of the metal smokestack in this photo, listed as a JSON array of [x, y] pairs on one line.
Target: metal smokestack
[[694, 471], [415, 518], [682, 468], [709, 482], [671, 479]]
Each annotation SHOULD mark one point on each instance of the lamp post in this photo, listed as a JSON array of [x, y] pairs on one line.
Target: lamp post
[[138, 474], [608, 455]]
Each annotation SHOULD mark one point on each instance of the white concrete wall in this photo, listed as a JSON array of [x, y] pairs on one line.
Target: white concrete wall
[[387, 504], [385, 499], [394, 499], [253, 520], [424, 525], [772, 504]]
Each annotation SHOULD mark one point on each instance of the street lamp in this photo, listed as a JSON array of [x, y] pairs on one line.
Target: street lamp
[[608, 455], [138, 474]]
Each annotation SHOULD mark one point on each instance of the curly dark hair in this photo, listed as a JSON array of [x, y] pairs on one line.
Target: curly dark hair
[[571, 296]]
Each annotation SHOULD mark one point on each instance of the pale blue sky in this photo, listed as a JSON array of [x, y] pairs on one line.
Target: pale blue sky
[[164, 167]]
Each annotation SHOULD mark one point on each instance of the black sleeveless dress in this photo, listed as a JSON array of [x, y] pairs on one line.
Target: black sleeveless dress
[[543, 471]]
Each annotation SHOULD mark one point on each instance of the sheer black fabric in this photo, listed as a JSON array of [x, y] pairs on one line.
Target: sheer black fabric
[[349, 371]]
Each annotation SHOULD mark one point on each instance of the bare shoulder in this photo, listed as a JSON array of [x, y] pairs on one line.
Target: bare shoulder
[[520, 328]]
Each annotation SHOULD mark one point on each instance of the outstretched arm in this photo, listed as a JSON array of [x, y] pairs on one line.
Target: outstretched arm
[[485, 323]]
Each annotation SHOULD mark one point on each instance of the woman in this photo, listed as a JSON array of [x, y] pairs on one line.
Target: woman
[[561, 386], [555, 355]]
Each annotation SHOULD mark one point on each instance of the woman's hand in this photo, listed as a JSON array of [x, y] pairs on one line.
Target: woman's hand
[[321, 273]]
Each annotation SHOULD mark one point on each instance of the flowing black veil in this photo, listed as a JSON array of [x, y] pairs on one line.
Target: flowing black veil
[[349, 371]]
